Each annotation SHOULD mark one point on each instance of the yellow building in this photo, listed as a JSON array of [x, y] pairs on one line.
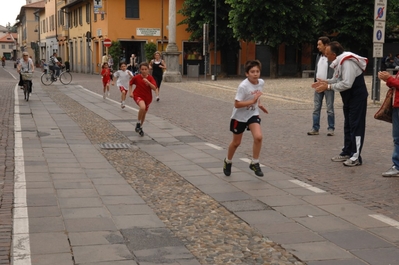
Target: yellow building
[[28, 30]]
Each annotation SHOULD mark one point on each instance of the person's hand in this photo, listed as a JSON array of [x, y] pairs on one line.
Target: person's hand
[[257, 95], [383, 75], [320, 86], [261, 107]]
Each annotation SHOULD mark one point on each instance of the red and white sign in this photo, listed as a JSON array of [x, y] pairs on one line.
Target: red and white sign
[[107, 43]]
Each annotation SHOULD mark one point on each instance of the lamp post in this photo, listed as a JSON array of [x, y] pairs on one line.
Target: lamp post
[[215, 43]]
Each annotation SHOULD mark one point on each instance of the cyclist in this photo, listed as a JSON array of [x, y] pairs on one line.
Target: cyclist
[[25, 65], [55, 65]]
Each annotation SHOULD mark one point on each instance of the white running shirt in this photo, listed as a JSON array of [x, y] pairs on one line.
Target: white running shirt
[[246, 91], [123, 78]]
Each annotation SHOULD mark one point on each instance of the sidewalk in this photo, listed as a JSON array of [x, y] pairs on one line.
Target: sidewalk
[[89, 190]]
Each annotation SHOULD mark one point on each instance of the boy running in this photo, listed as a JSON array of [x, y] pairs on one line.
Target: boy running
[[106, 78], [123, 76], [246, 116], [142, 93]]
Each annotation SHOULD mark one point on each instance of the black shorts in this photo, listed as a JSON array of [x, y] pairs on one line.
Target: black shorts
[[238, 127]]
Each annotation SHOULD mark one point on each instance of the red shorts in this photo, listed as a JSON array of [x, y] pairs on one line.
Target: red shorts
[[137, 99], [123, 89], [106, 81]]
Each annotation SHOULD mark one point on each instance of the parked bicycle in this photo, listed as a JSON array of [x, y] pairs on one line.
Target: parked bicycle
[[27, 81], [48, 76]]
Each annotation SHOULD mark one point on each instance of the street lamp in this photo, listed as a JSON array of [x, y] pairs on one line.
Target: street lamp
[[215, 42]]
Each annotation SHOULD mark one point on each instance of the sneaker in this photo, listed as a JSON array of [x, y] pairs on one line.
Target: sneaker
[[104, 96], [392, 172], [313, 132], [256, 168], [122, 105], [109, 94], [138, 125], [141, 132], [352, 163], [340, 158], [227, 167], [330, 132], [157, 98]]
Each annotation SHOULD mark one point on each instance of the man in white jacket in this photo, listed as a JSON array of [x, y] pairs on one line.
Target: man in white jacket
[[348, 79]]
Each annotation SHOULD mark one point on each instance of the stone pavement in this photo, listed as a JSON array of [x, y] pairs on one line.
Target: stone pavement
[[81, 198]]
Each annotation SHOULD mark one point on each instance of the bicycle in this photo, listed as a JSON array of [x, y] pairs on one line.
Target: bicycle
[[48, 76], [27, 80]]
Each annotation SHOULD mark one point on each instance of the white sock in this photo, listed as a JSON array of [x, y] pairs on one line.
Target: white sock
[[228, 161], [254, 161]]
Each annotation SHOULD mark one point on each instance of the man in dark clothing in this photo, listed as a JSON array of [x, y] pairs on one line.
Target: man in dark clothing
[[353, 90]]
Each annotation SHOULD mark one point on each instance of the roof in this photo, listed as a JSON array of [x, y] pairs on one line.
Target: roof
[[35, 5], [9, 37]]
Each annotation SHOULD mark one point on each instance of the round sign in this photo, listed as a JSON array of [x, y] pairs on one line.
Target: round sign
[[107, 43]]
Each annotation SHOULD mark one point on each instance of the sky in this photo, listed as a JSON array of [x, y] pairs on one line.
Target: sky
[[9, 10]]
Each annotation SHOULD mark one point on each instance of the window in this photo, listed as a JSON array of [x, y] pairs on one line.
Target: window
[[3, 46], [132, 8], [88, 13], [70, 19], [80, 16], [95, 17], [75, 17], [10, 46]]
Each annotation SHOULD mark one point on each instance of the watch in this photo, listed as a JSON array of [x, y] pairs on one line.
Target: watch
[[328, 87]]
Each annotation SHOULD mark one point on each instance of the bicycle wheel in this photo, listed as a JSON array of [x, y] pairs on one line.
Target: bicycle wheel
[[65, 78], [46, 79], [26, 92]]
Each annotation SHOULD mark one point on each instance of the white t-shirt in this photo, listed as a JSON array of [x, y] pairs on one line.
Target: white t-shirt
[[123, 78], [246, 91], [322, 67]]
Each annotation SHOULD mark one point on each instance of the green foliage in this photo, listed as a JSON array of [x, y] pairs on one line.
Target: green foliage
[[275, 22], [149, 49], [351, 23], [115, 50]]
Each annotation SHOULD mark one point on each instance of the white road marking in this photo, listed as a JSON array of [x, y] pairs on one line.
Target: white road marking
[[386, 220], [114, 101], [214, 146], [307, 186], [20, 239], [249, 161]]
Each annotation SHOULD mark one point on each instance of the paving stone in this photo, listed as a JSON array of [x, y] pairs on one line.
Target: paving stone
[[101, 253]]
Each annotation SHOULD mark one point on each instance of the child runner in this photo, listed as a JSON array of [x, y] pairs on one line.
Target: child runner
[[106, 77], [246, 116], [142, 93], [123, 77]]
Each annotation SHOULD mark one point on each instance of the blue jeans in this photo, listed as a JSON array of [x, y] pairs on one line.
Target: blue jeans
[[395, 135], [318, 102]]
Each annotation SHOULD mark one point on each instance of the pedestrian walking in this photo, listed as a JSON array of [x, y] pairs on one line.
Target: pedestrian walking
[[106, 78], [348, 79], [393, 82], [323, 71], [123, 77], [142, 93], [158, 66], [246, 116]]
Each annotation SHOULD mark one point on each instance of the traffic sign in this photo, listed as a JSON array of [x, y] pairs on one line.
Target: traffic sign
[[107, 43], [380, 10], [378, 50], [379, 32]]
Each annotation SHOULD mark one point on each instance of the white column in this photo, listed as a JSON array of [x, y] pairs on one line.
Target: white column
[[172, 73]]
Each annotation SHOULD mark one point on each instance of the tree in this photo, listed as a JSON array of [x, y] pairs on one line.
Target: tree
[[149, 49], [115, 50], [275, 22], [197, 13], [350, 23]]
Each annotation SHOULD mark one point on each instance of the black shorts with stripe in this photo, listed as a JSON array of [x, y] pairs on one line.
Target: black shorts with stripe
[[238, 127]]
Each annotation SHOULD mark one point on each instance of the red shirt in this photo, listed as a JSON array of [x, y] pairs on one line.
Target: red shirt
[[106, 74], [143, 90]]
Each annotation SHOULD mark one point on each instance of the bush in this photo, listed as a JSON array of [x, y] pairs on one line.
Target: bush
[[115, 51], [149, 49]]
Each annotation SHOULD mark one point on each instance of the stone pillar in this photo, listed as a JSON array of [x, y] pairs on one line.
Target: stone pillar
[[171, 55]]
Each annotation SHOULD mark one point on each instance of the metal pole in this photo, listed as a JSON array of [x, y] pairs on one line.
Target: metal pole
[[162, 26], [215, 41]]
